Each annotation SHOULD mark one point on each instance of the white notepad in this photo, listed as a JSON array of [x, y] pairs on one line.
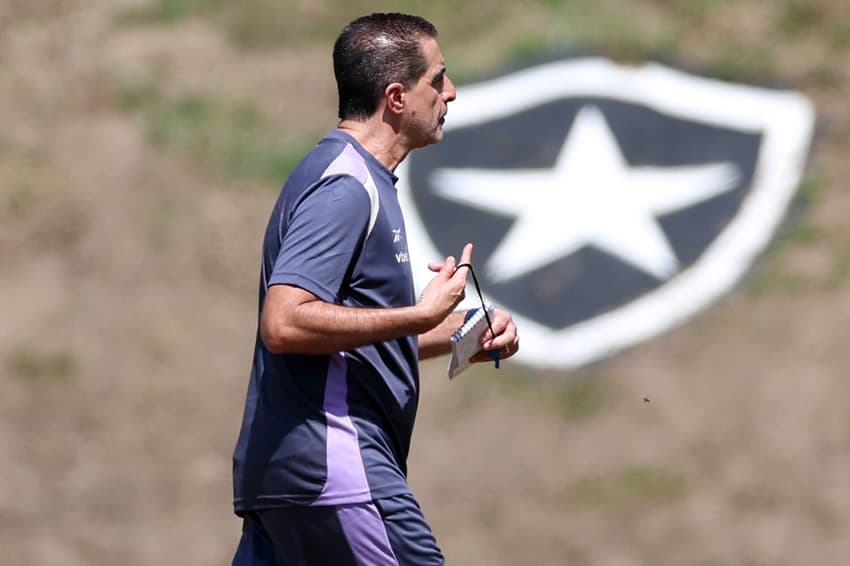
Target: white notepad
[[466, 340]]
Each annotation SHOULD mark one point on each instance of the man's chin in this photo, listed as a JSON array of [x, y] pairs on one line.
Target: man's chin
[[435, 137]]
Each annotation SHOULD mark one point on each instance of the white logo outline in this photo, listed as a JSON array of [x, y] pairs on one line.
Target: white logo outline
[[785, 119]]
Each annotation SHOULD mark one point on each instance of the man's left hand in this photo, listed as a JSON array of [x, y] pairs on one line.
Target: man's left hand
[[505, 341]]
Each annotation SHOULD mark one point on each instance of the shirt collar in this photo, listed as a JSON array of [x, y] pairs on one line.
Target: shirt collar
[[338, 134]]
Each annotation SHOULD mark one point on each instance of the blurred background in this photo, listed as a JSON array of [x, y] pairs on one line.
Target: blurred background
[[142, 144]]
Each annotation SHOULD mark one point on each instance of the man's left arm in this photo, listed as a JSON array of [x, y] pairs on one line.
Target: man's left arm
[[437, 342]]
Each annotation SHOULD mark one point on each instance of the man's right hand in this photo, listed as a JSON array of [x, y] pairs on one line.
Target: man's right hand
[[442, 295]]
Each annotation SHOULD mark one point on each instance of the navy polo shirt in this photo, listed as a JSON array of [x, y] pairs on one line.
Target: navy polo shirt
[[330, 430]]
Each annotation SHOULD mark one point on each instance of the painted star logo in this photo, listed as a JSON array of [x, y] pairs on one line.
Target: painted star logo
[[607, 204], [592, 195]]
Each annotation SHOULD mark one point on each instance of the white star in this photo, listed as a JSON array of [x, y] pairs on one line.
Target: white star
[[590, 198]]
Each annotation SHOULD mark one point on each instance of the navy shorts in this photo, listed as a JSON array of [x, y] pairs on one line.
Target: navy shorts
[[385, 532]]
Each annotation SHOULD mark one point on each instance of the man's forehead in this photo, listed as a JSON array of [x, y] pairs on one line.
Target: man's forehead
[[432, 53]]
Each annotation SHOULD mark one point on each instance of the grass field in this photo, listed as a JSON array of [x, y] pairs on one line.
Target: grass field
[[141, 146]]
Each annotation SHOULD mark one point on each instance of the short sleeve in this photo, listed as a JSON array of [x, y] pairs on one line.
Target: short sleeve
[[321, 236]]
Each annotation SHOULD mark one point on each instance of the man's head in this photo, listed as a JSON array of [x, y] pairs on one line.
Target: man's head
[[373, 52], [391, 62]]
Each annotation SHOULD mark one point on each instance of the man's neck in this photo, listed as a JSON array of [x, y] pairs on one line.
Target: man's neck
[[378, 138]]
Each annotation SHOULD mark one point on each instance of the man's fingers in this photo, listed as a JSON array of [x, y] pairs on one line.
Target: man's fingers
[[466, 254], [504, 352], [465, 259], [505, 332], [449, 266]]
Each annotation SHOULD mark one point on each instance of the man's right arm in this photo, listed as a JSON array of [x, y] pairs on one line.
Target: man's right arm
[[295, 321]]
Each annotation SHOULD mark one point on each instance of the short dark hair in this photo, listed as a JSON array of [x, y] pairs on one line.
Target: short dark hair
[[373, 52]]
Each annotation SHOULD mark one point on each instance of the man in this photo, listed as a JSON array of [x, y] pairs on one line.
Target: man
[[320, 465]]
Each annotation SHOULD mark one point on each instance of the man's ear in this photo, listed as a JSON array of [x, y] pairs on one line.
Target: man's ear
[[395, 97]]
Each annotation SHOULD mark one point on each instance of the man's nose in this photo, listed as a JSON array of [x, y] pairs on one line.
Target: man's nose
[[449, 92]]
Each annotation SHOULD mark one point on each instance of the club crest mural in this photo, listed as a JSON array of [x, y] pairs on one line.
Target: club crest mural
[[606, 203]]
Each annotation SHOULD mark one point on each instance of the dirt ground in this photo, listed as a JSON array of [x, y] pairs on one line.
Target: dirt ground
[[127, 292]]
